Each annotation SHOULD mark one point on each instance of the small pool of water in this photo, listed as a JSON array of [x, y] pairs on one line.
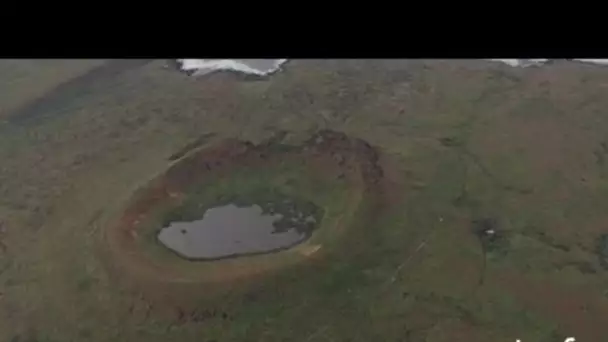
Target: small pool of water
[[231, 230]]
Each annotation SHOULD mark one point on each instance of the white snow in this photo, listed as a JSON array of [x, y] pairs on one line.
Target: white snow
[[263, 67], [259, 67], [521, 62], [529, 62], [593, 61]]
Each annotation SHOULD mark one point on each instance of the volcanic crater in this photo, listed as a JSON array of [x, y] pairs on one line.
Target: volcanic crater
[[339, 174]]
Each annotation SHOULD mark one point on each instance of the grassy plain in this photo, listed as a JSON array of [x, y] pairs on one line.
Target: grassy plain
[[469, 142]]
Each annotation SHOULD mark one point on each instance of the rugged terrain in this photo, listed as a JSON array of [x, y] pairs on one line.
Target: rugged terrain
[[497, 180]]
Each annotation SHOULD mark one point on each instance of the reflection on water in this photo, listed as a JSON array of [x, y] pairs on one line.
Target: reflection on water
[[231, 230]]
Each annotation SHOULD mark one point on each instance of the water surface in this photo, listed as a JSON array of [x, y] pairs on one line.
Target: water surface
[[232, 230]]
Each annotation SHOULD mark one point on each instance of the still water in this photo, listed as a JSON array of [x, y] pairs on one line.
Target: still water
[[232, 230]]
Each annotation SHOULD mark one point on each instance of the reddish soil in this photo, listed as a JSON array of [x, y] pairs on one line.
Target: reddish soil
[[326, 153]]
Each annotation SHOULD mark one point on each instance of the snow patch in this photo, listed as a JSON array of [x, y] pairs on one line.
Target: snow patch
[[593, 61], [531, 62], [264, 67], [521, 62], [260, 67]]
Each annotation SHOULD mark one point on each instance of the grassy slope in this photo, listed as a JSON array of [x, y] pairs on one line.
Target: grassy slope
[[27, 80], [529, 153]]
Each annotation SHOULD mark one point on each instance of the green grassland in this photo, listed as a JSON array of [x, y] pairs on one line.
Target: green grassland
[[470, 142]]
